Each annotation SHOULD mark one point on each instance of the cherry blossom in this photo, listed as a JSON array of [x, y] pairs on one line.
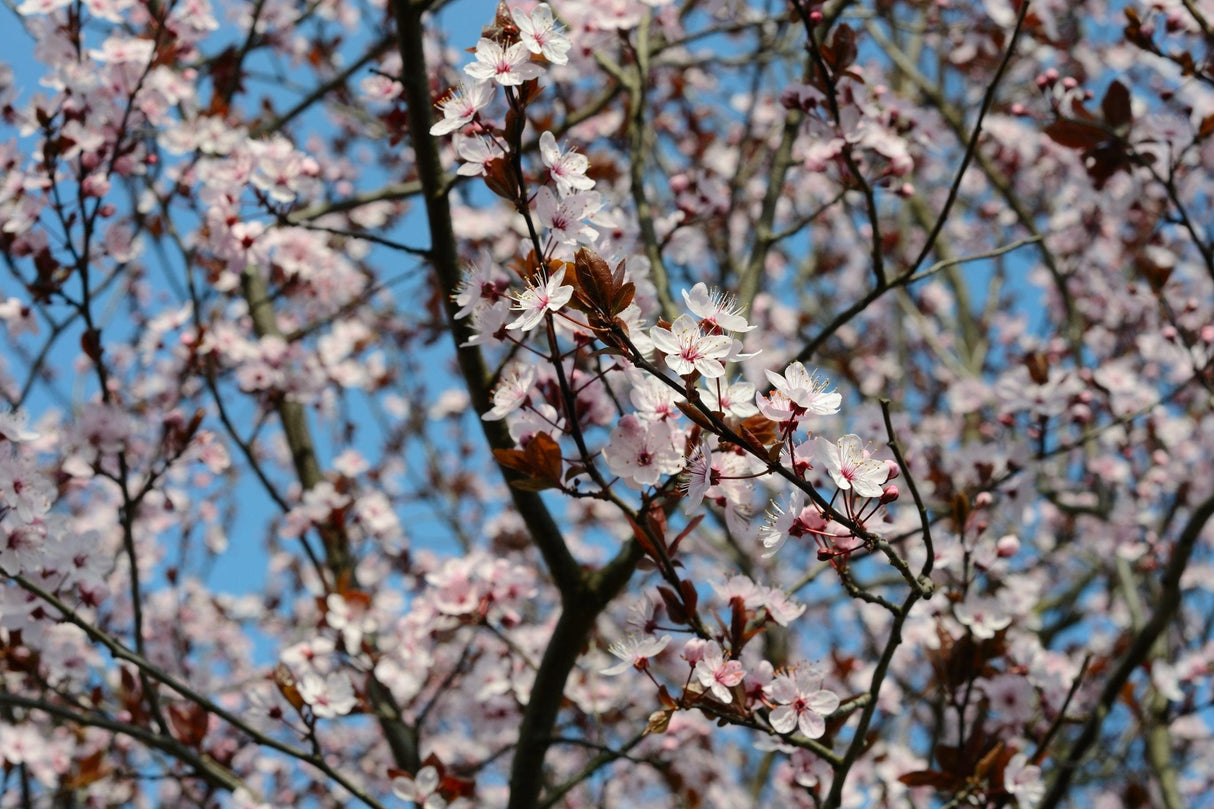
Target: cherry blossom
[[461, 106], [850, 467], [475, 154], [983, 617], [642, 452], [688, 350], [563, 216], [546, 295], [14, 426], [542, 35], [807, 391], [512, 392], [717, 675], [715, 309], [736, 399], [303, 500], [802, 703], [329, 696], [567, 169], [508, 66], [635, 652], [700, 476], [1023, 781]]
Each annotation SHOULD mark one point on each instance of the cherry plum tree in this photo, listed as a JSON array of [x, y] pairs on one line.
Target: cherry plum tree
[[689, 403]]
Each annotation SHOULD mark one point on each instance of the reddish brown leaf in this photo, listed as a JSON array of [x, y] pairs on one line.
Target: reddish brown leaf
[[87, 770], [188, 721], [843, 47], [926, 778], [499, 179], [594, 281], [692, 412], [673, 605], [987, 762], [543, 455], [690, 597], [687, 529], [643, 539], [1206, 128], [511, 459], [1116, 106], [1075, 135]]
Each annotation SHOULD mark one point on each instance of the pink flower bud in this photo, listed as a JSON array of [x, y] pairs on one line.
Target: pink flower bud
[[1007, 546], [95, 185], [889, 494], [983, 499], [892, 470]]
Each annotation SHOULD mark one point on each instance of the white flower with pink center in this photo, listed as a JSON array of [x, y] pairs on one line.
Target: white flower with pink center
[[538, 299], [642, 452], [635, 651], [807, 391], [851, 468], [716, 309], [689, 350], [506, 66], [461, 107], [716, 674], [541, 34], [802, 702], [567, 169]]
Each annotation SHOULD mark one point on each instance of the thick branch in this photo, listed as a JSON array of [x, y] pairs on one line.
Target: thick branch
[[444, 258]]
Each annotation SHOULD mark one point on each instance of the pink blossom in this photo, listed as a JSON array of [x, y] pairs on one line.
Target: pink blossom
[[13, 426], [329, 696], [735, 399], [802, 703], [567, 169], [642, 452], [795, 520], [807, 391], [983, 616], [688, 350], [716, 674], [540, 33], [700, 476], [635, 652], [507, 66], [476, 152], [23, 487], [851, 468], [717, 310], [462, 106], [512, 391], [352, 618], [562, 217], [1023, 781], [653, 399], [538, 299]]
